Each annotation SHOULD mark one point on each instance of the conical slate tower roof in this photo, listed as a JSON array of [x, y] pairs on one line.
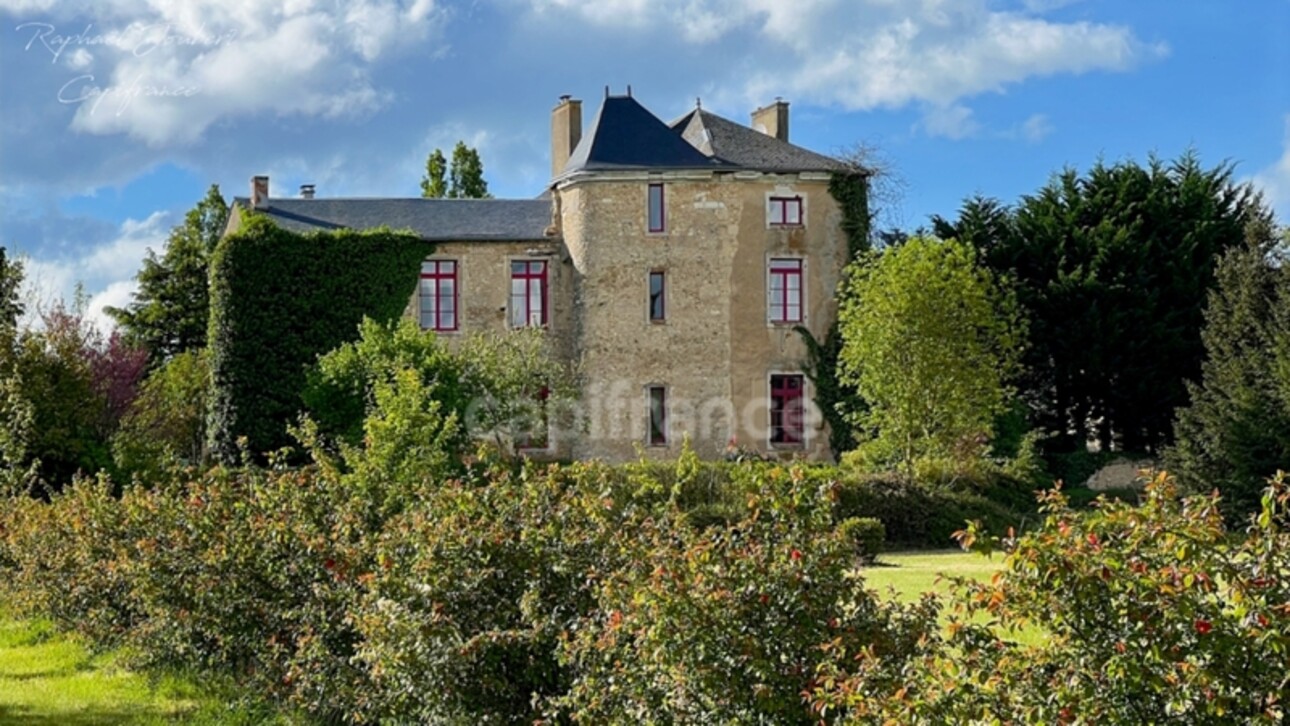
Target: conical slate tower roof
[[624, 135]]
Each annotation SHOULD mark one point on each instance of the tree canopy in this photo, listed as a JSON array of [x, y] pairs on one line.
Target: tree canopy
[[930, 341], [1112, 269], [463, 179], [170, 310]]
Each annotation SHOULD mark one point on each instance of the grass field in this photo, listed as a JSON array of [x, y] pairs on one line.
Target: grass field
[[49, 679], [913, 573]]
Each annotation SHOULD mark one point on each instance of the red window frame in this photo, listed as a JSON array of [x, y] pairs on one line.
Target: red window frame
[[779, 208], [656, 399], [783, 274], [657, 313], [661, 225], [786, 409], [439, 275], [523, 302]]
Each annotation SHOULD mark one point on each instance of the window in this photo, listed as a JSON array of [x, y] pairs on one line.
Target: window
[[786, 409], [784, 298], [657, 297], [657, 396], [785, 211], [528, 294], [656, 208], [439, 295]]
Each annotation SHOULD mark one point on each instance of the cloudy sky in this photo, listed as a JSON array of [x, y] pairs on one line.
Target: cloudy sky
[[116, 116]]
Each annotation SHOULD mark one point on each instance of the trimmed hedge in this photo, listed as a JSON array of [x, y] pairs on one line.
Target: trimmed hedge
[[919, 516], [281, 299]]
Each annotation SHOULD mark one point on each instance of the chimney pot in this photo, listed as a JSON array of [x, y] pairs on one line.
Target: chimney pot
[[566, 132], [772, 120], [260, 192], [306, 191]]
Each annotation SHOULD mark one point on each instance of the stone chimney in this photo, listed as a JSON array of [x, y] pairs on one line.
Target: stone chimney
[[772, 120], [259, 192], [306, 191], [566, 132]]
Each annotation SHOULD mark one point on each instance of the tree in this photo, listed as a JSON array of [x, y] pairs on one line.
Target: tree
[[11, 277], [169, 312], [1111, 269], [1236, 432], [930, 341], [433, 185], [465, 177], [166, 424]]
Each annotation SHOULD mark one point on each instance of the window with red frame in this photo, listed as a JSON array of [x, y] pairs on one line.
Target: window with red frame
[[528, 294], [657, 208], [786, 409], [439, 295], [785, 211], [657, 396], [784, 295]]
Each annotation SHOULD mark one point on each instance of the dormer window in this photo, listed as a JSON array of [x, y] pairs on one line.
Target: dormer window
[[656, 209], [785, 211]]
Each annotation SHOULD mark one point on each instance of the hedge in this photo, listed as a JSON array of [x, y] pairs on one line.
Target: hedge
[[278, 300]]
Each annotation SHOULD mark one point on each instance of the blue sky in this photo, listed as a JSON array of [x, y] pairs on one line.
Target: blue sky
[[116, 116]]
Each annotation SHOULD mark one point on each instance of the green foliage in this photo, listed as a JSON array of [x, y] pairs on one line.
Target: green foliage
[[165, 427], [466, 175], [930, 342], [919, 516], [866, 535], [464, 178], [1236, 432], [851, 191], [1111, 269], [1154, 614], [169, 312], [433, 185], [11, 277], [278, 301]]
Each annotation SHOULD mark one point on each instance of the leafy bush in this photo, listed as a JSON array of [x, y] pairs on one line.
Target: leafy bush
[[866, 535], [915, 515], [728, 624], [1153, 614], [165, 427]]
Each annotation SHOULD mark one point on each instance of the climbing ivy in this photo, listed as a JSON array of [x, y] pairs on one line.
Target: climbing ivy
[[837, 401], [279, 300]]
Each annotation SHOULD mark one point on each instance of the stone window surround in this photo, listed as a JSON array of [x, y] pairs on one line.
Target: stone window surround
[[784, 201], [661, 272]]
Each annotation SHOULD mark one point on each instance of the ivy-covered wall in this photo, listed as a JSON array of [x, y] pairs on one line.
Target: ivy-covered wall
[[851, 191], [280, 299]]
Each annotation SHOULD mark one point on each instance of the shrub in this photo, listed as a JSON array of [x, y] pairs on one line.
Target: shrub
[[1153, 614], [727, 625], [914, 515], [866, 535]]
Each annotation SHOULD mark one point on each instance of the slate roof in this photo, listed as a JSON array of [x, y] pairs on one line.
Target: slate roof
[[624, 135], [434, 219], [746, 148]]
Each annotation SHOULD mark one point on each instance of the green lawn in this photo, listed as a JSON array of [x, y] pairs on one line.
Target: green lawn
[[913, 573], [49, 679]]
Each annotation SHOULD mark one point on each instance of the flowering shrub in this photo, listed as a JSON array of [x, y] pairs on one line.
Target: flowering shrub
[[1153, 614]]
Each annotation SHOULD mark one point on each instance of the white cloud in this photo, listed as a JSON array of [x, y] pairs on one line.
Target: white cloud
[[1274, 180], [951, 122], [865, 54], [105, 271], [1036, 128], [172, 69]]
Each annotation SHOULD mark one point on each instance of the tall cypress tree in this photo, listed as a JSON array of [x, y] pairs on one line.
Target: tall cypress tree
[[433, 185], [1236, 432]]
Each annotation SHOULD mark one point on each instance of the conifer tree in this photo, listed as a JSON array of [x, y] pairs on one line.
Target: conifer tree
[[1236, 432], [433, 185]]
